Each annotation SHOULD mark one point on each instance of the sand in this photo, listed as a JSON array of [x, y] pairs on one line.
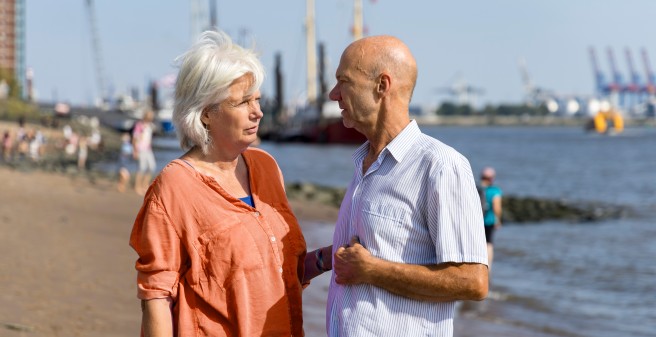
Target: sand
[[67, 269]]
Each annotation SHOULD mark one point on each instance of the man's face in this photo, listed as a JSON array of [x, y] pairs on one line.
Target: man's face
[[354, 92]]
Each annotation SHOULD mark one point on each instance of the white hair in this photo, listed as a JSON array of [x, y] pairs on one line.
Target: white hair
[[207, 70]]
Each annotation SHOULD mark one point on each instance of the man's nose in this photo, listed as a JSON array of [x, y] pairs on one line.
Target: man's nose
[[334, 94]]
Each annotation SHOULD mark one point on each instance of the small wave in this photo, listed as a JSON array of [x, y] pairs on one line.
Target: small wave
[[497, 296]]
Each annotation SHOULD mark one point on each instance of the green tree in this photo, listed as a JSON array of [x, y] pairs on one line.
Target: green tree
[[14, 86]]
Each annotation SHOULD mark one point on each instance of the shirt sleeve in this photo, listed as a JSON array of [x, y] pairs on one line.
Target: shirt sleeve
[[497, 192], [138, 128], [455, 217], [160, 252]]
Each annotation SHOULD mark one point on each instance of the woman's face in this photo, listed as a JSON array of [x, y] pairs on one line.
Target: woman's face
[[233, 123]]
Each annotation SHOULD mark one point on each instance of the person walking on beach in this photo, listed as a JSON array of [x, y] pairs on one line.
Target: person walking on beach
[[408, 241], [142, 138], [7, 145], [123, 161], [220, 251], [492, 207]]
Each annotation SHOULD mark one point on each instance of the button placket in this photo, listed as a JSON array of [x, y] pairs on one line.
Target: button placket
[[272, 238]]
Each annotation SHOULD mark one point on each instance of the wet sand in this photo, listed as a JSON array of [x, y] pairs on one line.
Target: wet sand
[[67, 268]]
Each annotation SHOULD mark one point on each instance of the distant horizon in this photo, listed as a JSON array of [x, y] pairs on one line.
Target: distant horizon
[[475, 45]]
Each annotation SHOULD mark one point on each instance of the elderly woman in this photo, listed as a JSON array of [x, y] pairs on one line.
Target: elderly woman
[[220, 252]]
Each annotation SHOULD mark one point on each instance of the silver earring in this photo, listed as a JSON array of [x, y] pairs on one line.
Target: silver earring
[[207, 135]]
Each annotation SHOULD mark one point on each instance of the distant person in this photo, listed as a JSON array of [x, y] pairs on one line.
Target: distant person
[[142, 138], [492, 207], [82, 153], [408, 242], [23, 143], [124, 158], [220, 252], [7, 145], [36, 142]]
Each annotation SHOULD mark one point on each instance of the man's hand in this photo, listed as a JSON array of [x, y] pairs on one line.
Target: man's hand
[[352, 263]]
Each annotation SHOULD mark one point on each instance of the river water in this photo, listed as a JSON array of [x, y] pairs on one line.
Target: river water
[[552, 278]]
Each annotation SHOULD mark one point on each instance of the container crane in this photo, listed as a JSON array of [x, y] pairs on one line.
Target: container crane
[[600, 81], [634, 85], [650, 83], [632, 88], [464, 93], [535, 95], [616, 85]]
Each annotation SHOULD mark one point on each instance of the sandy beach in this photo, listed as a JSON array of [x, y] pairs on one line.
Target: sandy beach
[[67, 268]]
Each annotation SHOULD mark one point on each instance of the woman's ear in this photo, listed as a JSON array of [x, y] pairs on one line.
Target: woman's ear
[[205, 116]]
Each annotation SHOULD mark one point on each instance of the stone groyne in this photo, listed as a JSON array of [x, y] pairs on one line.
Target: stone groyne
[[516, 209]]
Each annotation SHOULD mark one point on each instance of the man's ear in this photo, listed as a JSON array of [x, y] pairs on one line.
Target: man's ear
[[384, 84]]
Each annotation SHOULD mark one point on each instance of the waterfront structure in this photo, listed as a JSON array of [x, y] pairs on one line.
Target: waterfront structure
[[12, 41]]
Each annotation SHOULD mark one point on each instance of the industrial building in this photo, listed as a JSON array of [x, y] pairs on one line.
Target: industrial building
[[12, 41]]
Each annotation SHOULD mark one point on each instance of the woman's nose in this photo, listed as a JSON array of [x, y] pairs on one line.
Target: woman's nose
[[256, 112]]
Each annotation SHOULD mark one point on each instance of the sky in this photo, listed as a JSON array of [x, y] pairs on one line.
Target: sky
[[477, 42]]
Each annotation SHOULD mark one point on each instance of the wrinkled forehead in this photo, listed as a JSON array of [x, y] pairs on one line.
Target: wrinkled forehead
[[353, 58]]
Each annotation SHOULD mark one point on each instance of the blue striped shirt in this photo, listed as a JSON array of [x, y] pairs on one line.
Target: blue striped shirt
[[417, 204]]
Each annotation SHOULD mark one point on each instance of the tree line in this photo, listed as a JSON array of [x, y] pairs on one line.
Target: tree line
[[451, 109]]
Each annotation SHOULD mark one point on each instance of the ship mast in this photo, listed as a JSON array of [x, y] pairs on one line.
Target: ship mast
[[357, 20], [311, 52]]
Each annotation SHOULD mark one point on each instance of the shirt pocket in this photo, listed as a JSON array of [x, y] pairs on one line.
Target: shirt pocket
[[227, 252], [384, 226]]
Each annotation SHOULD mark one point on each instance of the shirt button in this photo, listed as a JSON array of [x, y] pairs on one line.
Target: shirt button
[[280, 270], [273, 239], [256, 214]]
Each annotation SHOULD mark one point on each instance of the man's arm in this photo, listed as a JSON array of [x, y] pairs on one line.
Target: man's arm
[[497, 209], [157, 320], [438, 283], [136, 136]]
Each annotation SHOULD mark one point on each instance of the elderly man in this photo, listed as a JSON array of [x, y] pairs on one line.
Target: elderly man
[[408, 242]]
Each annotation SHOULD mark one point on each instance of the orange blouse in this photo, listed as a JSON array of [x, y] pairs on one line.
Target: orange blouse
[[231, 269]]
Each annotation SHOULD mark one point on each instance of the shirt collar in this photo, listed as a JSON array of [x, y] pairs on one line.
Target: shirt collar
[[398, 147], [404, 141]]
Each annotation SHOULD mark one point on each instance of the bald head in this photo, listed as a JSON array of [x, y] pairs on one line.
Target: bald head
[[375, 55]]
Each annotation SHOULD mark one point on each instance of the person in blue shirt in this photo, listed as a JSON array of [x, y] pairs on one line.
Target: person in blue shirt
[[492, 208]]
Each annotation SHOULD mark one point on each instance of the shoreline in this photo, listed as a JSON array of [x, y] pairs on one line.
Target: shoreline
[[68, 270], [521, 120]]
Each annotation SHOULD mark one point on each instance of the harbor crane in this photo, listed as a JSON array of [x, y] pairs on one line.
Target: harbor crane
[[650, 83], [97, 52], [465, 94]]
